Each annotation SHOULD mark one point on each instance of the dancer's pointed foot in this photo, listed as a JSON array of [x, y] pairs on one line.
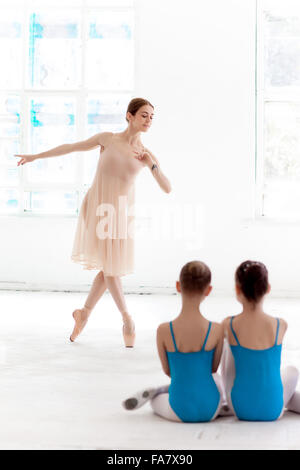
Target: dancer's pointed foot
[[128, 331], [81, 317]]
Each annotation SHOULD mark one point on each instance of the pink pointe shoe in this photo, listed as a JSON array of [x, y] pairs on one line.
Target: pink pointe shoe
[[129, 338], [81, 317]]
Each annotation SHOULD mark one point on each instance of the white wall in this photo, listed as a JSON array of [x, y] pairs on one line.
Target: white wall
[[195, 62]]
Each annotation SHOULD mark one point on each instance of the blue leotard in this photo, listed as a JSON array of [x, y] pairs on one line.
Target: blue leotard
[[193, 394], [257, 392]]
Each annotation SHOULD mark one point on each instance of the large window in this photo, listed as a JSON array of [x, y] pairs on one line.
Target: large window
[[69, 74], [278, 109]]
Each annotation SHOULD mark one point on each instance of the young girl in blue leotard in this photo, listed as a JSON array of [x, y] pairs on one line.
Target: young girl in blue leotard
[[256, 388], [190, 349]]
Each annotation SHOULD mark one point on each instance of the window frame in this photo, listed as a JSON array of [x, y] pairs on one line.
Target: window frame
[[284, 94], [80, 98]]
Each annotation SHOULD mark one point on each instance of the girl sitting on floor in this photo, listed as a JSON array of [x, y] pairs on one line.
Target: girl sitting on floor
[[190, 349], [256, 389]]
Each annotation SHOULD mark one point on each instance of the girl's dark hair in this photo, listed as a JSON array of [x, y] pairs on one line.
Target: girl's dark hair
[[194, 277], [252, 277], [135, 104]]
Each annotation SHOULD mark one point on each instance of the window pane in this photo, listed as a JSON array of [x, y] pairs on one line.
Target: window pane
[[11, 49], [9, 176], [282, 140], [9, 148], [105, 113], [9, 171], [54, 43], [282, 159], [52, 124], [9, 201], [51, 202], [109, 50], [9, 115], [282, 49]]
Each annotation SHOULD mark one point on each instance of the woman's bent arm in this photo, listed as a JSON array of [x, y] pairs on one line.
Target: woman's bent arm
[[162, 180]]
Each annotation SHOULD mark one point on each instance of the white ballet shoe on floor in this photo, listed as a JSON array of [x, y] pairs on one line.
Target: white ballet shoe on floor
[[139, 399]]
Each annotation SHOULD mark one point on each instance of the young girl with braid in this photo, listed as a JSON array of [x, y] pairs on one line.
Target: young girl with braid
[[190, 349]]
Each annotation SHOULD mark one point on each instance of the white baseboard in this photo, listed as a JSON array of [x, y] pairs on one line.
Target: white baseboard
[[35, 287], [141, 290]]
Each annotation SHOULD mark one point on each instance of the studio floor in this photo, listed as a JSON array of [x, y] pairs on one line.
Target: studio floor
[[60, 395]]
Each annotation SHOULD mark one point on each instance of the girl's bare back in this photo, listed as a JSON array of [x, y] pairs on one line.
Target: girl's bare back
[[257, 331], [190, 336]]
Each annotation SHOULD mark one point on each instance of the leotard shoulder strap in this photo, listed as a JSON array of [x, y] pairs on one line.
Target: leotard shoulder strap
[[277, 331], [206, 337], [172, 333], [233, 332]]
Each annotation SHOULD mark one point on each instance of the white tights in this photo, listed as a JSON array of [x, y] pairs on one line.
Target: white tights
[[161, 406], [289, 376]]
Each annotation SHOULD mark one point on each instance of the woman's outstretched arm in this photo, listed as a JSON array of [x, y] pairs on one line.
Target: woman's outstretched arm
[[96, 140]]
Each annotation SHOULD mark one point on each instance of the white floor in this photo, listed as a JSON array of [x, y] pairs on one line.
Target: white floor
[[60, 395]]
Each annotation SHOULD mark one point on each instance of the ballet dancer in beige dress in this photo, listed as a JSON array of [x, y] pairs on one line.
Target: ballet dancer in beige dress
[[104, 235]]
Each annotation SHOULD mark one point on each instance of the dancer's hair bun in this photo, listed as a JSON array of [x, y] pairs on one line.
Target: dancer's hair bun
[[252, 277], [194, 277]]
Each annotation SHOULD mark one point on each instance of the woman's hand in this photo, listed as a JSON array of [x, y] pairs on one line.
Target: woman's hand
[[25, 159], [143, 157]]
